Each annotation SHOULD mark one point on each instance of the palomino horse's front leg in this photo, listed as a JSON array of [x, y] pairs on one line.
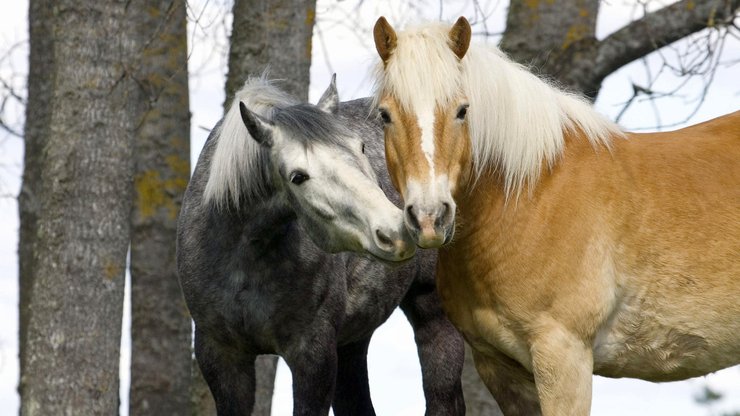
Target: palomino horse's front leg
[[441, 350], [562, 364], [509, 382]]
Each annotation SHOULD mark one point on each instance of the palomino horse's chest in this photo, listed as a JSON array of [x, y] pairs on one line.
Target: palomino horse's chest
[[481, 318]]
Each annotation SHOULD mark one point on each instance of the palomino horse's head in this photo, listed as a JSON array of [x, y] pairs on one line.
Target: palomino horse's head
[[426, 134], [318, 164]]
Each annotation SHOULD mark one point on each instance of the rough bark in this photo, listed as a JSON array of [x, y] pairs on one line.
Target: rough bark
[[160, 323], [539, 32], [478, 400], [81, 192], [273, 35], [558, 40], [265, 368], [38, 115], [201, 400]]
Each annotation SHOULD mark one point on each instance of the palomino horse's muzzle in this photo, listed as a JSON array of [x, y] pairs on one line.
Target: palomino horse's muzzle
[[431, 226]]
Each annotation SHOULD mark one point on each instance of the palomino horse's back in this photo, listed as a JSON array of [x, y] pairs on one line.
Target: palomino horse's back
[[676, 242]]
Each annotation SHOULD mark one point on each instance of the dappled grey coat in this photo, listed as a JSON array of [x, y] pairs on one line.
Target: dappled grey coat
[[255, 283]]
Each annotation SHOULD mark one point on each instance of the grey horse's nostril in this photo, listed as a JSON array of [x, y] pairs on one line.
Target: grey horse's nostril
[[412, 217], [384, 239]]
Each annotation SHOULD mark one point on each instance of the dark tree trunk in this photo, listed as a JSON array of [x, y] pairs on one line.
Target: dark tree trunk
[[38, 114], [546, 35], [79, 191], [160, 323], [273, 35], [478, 400], [201, 400]]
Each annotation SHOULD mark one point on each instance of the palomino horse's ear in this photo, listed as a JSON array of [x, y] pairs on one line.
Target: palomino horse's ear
[[259, 128], [385, 39], [460, 37], [329, 101]]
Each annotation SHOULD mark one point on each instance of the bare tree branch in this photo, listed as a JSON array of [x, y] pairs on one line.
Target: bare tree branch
[[12, 90], [658, 29]]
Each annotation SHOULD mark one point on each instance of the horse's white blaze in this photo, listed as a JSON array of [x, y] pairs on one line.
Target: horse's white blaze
[[415, 190], [425, 118], [429, 195]]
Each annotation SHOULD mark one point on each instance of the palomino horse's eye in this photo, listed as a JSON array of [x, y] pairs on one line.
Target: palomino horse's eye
[[298, 178], [462, 111], [384, 115]]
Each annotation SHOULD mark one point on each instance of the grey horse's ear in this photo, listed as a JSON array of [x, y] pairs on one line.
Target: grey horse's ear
[[329, 101], [259, 127]]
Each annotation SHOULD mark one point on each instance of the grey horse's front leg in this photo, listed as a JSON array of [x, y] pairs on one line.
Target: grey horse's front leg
[[314, 367], [441, 350], [229, 375], [352, 395]]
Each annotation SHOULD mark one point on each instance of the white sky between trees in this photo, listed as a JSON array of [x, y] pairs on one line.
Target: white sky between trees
[[393, 365]]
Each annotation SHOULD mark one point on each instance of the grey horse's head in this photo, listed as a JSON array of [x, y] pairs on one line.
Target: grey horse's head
[[318, 164]]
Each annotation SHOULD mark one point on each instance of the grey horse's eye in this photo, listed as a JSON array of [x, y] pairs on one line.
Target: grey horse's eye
[[298, 177], [363, 148]]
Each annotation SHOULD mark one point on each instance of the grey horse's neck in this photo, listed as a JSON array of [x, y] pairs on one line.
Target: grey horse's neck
[[264, 220], [267, 219]]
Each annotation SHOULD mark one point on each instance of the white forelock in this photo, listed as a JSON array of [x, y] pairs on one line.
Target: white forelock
[[236, 164], [516, 120], [422, 68]]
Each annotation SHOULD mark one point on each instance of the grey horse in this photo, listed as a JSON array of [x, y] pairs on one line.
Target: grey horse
[[285, 244]]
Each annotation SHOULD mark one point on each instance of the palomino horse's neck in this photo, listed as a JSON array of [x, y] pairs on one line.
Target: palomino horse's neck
[[484, 202]]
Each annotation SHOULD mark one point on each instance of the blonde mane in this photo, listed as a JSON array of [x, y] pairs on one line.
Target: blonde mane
[[237, 164], [516, 120]]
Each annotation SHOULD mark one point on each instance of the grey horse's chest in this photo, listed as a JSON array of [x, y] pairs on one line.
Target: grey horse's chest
[[373, 291]]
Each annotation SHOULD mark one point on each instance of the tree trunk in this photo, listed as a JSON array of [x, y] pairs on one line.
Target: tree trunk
[[277, 36], [201, 400], [558, 39], [38, 114], [81, 190], [478, 400], [546, 35], [160, 323]]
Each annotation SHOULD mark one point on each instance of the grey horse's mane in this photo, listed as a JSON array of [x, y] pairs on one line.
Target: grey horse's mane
[[238, 169], [309, 124]]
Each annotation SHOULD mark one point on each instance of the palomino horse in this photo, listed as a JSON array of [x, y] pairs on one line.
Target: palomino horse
[[579, 248], [279, 185]]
